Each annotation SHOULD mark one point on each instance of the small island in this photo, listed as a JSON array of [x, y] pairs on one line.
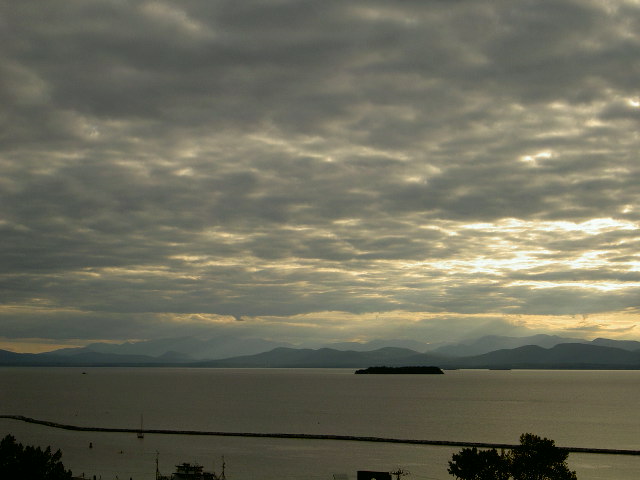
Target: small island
[[402, 370]]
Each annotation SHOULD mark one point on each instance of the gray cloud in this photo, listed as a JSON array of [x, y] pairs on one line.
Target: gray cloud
[[334, 160]]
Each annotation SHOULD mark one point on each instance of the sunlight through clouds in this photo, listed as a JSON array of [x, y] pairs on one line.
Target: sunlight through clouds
[[602, 286], [537, 156]]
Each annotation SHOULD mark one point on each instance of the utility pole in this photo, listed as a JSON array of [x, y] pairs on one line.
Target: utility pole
[[222, 477]]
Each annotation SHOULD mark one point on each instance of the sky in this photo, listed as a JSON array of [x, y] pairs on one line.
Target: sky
[[313, 172]]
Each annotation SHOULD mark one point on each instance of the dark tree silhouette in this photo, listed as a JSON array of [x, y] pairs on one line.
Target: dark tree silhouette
[[539, 459], [534, 459], [33, 463], [474, 464]]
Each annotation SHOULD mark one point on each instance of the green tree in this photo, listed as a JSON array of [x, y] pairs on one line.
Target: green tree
[[539, 459], [534, 459], [474, 464], [33, 463]]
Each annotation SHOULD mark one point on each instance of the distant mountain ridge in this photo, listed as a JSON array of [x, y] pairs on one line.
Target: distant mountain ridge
[[416, 345], [190, 348], [563, 355], [325, 358], [193, 348], [490, 343], [79, 359], [484, 344], [555, 352]]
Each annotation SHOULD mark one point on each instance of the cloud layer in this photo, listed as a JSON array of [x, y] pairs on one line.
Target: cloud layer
[[317, 171]]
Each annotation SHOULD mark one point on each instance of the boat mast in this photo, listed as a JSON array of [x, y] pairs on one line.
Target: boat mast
[[140, 432]]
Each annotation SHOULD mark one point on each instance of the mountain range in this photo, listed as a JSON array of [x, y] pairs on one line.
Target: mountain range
[[538, 351]]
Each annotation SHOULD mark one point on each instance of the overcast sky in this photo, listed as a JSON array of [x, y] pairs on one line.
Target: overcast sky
[[318, 171]]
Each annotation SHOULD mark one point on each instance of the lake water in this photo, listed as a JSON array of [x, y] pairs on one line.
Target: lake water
[[598, 409]]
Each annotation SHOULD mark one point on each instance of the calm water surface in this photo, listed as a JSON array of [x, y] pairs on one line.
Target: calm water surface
[[575, 408]]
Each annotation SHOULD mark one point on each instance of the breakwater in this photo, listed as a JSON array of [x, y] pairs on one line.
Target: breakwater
[[446, 443]]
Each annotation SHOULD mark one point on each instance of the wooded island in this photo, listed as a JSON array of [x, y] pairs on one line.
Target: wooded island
[[402, 370]]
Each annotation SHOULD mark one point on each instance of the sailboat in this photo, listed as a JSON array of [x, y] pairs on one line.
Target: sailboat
[[140, 432]]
